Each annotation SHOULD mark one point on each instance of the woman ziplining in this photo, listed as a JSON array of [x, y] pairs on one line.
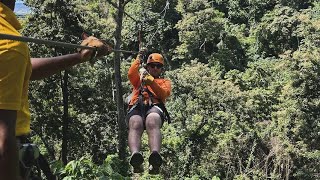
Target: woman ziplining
[[146, 110]]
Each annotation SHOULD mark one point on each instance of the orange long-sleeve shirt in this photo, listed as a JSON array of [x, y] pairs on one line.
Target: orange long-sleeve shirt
[[160, 88]]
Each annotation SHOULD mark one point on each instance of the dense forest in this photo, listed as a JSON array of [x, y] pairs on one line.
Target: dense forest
[[245, 102]]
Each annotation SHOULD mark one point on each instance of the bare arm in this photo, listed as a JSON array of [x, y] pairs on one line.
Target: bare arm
[[45, 67]]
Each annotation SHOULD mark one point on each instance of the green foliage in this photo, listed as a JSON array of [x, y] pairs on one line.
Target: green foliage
[[85, 169], [251, 11], [96, 18], [89, 110], [203, 111], [283, 33], [152, 26], [245, 11], [199, 33]]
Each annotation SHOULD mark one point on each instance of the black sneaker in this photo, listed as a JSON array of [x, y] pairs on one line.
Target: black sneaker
[[136, 161], [155, 162]]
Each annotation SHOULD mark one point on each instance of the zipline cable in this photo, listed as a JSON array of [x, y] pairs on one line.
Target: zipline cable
[[55, 43]]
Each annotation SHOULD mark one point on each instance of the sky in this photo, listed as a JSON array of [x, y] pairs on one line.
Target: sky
[[20, 8]]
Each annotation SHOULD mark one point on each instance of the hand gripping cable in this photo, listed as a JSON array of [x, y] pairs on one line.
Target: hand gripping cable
[[56, 43]]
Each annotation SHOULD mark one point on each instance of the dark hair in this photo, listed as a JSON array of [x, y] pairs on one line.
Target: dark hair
[[9, 3]]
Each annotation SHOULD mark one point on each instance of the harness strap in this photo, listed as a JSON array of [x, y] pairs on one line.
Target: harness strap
[[160, 104], [42, 163], [140, 103], [166, 113], [142, 106]]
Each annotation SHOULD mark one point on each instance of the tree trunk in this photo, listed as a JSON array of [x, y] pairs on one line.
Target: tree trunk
[[65, 118], [120, 106]]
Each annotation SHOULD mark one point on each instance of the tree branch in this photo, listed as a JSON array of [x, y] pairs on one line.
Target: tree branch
[[116, 6], [126, 2]]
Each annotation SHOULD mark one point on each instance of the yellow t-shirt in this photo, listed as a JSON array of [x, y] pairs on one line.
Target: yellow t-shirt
[[15, 71]]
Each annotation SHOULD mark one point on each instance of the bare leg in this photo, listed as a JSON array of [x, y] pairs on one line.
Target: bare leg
[[153, 125], [9, 162], [135, 133], [134, 140]]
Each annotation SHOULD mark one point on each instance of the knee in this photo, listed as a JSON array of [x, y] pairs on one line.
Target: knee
[[153, 121], [135, 123]]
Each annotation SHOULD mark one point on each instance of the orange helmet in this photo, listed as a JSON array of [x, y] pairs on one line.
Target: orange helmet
[[155, 58]]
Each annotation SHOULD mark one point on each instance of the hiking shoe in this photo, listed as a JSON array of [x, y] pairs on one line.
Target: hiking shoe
[[136, 161], [155, 162]]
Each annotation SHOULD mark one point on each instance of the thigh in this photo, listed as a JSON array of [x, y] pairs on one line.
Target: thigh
[[132, 115], [7, 124], [136, 122], [157, 110], [8, 148]]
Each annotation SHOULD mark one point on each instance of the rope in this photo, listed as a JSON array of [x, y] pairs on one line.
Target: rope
[[203, 45], [55, 43], [164, 11], [166, 7]]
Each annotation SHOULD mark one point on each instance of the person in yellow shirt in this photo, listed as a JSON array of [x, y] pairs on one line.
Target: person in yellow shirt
[[16, 69]]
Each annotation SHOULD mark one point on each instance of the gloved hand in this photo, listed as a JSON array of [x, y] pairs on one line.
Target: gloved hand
[[142, 72], [89, 54], [148, 79], [141, 53]]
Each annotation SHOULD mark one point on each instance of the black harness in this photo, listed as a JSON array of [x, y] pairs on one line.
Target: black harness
[[143, 104], [29, 157]]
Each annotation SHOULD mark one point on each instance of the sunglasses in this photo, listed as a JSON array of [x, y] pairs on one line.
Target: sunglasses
[[153, 65]]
